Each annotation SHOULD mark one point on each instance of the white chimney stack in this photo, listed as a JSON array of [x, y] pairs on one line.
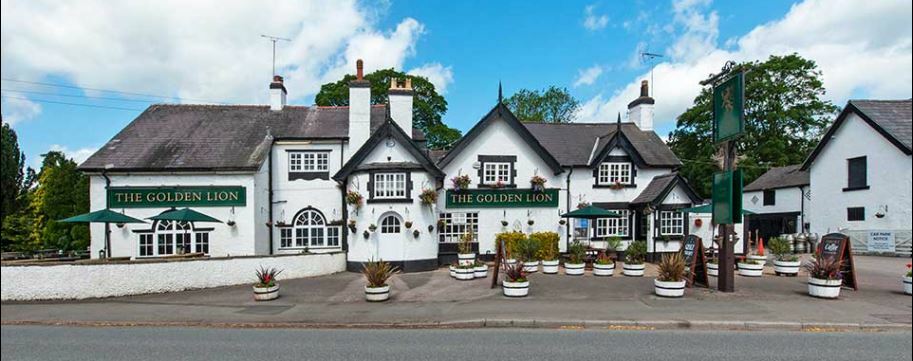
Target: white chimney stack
[[401, 104], [277, 94], [640, 111], [359, 109]]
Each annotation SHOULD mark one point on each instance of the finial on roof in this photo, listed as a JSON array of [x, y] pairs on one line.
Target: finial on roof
[[387, 116], [619, 118], [500, 93], [618, 123]]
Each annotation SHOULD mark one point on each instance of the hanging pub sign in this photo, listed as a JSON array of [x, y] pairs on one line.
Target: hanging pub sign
[[727, 197], [695, 261], [728, 108], [501, 198], [836, 246], [177, 196]]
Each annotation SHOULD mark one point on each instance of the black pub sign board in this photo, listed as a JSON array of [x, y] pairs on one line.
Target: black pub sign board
[[695, 261], [837, 246]]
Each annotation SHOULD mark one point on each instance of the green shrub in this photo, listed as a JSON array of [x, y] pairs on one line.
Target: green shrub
[[510, 240], [576, 253], [527, 250], [548, 245], [779, 247], [636, 252]]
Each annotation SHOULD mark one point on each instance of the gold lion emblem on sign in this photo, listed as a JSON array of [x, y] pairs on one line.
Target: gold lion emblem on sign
[[727, 99]]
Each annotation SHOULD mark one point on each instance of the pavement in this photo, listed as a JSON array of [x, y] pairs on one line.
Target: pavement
[[140, 344], [434, 300]]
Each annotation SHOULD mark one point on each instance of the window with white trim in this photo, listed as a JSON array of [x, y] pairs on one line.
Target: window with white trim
[[310, 229], [285, 238], [671, 223], [615, 226], [146, 245], [172, 237], [333, 236], [390, 224], [456, 224], [494, 172], [389, 185], [614, 172], [308, 161], [202, 242]]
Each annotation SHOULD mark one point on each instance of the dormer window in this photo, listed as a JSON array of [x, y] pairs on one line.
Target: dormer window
[[496, 171], [390, 186], [614, 172], [308, 165]]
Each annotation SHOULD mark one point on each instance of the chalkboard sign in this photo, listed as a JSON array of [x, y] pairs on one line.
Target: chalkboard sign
[[837, 246], [695, 261]]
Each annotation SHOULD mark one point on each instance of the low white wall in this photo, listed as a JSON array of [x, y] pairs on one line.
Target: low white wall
[[78, 281]]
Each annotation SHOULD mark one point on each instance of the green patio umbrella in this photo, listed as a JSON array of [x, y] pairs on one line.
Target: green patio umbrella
[[590, 212], [708, 208], [184, 215], [105, 216]]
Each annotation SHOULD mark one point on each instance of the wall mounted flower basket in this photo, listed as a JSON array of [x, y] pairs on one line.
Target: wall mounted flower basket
[[416, 233], [408, 224], [366, 234]]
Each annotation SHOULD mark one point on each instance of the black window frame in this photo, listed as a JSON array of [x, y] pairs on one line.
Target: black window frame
[[308, 175], [409, 186], [855, 214], [769, 197], [616, 159], [857, 174], [512, 159]]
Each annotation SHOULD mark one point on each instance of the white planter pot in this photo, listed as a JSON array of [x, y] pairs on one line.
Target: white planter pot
[[603, 270], [515, 289], [466, 258], [550, 267], [465, 274], [787, 268], [480, 271], [574, 269], [453, 271], [759, 259], [530, 267], [633, 270], [713, 269], [751, 270], [377, 294], [510, 261], [907, 283], [266, 293], [824, 288], [669, 289]]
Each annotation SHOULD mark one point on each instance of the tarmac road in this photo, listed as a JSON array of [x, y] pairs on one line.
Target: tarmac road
[[139, 343]]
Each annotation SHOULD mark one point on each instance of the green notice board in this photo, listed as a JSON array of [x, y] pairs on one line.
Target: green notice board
[[501, 198], [727, 197], [728, 109], [177, 196]]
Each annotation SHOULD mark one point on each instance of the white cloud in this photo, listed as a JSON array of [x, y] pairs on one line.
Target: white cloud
[[439, 75], [861, 51], [77, 155], [593, 21], [588, 76], [17, 108], [208, 50]]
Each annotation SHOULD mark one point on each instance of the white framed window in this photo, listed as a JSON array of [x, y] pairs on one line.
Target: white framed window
[[170, 238], [146, 245], [309, 228], [201, 244], [285, 238], [671, 223], [389, 185], [457, 224], [390, 224], [494, 172], [614, 227], [333, 236], [308, 161], [614, 172]]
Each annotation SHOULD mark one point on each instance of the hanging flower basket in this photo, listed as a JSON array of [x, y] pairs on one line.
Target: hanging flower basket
[[583, 205], [530, 222], [354, 198], [407, 224], [461, 182], [504, 223], [428, 197], [617, 186], [698, 222], [372, 227], [366, 234], [416, 233], [352, 226], [537, 183]]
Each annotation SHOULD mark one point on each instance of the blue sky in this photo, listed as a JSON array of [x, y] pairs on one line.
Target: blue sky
[[213, 52]]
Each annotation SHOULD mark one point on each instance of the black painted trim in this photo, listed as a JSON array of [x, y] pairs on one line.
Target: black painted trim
[[409, 186], [850, 108], [308, 175], [863, 188], [389, 129], [512, 159]]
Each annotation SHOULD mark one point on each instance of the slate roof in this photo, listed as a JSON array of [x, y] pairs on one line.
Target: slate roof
[[572, 143], [890, 118], [780, 177], [187, 137], [660, 187]]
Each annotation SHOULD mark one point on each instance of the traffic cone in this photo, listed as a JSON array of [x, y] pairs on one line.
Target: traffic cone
[[760, 246]]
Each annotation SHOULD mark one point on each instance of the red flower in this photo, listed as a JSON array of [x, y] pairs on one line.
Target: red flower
[[909, 265], [266, 279]]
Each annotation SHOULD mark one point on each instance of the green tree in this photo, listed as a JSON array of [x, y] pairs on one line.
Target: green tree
[[62, 191], [551, 105], [784, 117], [428, 106], [12, 171]]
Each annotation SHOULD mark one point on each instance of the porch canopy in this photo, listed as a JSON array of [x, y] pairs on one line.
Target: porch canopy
[[105, 216], [590, 212]]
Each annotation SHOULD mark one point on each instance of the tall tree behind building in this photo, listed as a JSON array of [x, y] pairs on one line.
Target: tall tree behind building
[[62, 192], [785, 116], [428, 107], [12, 171], [550, 105]]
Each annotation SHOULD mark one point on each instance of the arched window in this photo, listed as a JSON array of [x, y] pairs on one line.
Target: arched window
[[173, 237], [310, 229], [390, 224]]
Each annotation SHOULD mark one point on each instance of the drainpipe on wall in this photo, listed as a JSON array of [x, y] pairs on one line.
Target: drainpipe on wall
[[568, 227], [345, 207], [802, 209], [104, 173], [270, 196]]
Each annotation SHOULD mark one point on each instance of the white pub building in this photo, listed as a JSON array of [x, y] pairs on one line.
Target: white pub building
[[357, 179]]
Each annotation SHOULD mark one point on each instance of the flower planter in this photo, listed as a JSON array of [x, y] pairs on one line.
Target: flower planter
[[824, 288], [787, 268], [603, 270], [758, 259], [713, 269], [574, 269], [464, 273], [377, 294], [633, 270], [550, 267], [453, 271], [480, 271], [907, 283], [751, 270], [515, 289], [466, 258], [266, 293], [531, 266], [669, 289], [510, 261]]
